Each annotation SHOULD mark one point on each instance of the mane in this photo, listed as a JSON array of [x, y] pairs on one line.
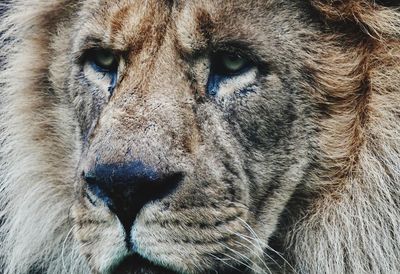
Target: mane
[[35, 193], [352, 223]]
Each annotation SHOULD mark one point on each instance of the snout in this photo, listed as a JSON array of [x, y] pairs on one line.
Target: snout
[[163, 187], [126, 188]]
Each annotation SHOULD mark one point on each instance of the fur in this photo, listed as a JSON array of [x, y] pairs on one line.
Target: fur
[[341, 216]]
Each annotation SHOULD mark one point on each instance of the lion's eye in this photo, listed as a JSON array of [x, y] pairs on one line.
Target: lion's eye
[[228, 64], [105, 65], [104, 60], [227, 67]]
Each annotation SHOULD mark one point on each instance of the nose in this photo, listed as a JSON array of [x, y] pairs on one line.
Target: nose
[[126, 188]]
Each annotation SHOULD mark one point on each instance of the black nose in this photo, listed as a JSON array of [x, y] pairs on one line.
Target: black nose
[[126, 188]]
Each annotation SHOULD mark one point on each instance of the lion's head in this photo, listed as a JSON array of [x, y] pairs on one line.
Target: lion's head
[[200, 136]]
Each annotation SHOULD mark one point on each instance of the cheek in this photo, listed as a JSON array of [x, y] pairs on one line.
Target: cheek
[[264, 129], [88, 100], [100, 234], [264, 118]]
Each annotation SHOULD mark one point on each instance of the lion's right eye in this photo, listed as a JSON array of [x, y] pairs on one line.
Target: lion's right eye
[[104, 63], [104, 60]]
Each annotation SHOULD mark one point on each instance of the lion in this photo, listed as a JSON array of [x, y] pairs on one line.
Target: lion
[[210, 136]]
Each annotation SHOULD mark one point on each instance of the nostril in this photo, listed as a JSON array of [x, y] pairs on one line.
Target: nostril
[[126, 188], [95, 190], [168, 184]]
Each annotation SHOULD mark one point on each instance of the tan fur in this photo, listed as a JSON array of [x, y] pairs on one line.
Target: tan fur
[[300, 176], [354, 218]]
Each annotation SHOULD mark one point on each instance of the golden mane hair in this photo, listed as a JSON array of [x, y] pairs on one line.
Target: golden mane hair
[[352, 225]]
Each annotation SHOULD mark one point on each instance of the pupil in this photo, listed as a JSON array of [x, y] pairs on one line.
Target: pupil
[[104, 59], [233, 62]]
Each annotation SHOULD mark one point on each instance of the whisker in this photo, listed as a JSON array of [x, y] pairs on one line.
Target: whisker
[[63, 248], [258, 255], [223, 261], [74, 256], [250, 229], [280, 256], [250, 241], [248, 259], [243, 263], [258, 240]]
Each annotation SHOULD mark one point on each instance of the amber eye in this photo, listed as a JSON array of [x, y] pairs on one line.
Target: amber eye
[[103, 60]]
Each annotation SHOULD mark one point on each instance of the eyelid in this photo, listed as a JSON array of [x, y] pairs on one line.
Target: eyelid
[[218, 65], [240, 48], [94, 54], [255, 59], [86, 45], [88, 56], [91, 43]]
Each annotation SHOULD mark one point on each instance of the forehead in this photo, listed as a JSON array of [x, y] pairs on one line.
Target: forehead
[[135, 23]]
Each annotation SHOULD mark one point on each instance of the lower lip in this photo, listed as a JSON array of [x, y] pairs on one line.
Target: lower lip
[[136, 265]]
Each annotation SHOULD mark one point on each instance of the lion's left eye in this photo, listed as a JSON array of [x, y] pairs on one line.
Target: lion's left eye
[[227, 67], [229, 64]]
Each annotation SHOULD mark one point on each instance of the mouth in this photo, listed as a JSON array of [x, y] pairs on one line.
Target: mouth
[[135, 264]]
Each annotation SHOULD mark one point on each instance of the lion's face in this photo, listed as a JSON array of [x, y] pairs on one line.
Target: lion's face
[[196, 129]]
